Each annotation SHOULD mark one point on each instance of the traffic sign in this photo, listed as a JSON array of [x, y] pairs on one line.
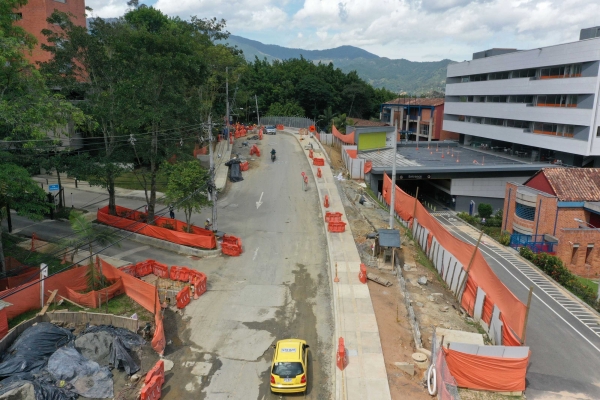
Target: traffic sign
[[54, 188]]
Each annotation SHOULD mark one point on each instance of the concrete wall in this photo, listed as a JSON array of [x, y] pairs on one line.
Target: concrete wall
[[483, 187]]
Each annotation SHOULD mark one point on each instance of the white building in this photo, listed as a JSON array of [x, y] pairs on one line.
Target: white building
[[540, 104]]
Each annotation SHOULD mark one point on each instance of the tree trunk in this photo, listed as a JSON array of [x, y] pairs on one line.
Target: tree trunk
[[60, 199], [112, 203], [153, 173], [92, 268], [2, 262], [188, 217]]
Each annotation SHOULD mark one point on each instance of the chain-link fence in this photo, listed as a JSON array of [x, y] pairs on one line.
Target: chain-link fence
[[292, 122], [447, 388]]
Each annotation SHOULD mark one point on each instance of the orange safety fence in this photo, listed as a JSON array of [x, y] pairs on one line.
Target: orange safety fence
[[368, 166], [352, 153], [480, 275], [487, 373], [96, 298], [199, 237], [348, 138]]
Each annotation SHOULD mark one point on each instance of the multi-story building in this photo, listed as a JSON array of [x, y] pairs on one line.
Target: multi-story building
[[32, 17], [558, 211], [421, 118], [541, 104]]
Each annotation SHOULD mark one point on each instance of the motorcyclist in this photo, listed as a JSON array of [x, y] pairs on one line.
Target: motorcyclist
[[273, 152]]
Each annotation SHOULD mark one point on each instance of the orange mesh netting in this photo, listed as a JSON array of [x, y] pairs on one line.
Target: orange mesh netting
[[198, 238], [368, 166], [95, 298], [348, 138], [487, 373], [480, 275], [352, 153]]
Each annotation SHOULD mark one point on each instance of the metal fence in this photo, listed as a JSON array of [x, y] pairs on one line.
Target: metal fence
[[535, 243], [292, 122]]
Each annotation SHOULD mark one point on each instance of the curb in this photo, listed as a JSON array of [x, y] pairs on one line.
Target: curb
[[166, 245]]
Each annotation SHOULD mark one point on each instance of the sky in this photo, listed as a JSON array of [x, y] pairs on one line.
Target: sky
[[417, 30]]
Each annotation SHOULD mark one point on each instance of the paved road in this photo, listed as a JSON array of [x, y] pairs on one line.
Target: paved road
[[562, 334], [278, 288]]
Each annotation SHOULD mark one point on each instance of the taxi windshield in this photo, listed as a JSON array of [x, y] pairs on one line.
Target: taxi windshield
[[287, 369]]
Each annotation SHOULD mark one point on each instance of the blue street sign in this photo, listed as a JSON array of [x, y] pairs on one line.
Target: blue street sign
[[54, 188]]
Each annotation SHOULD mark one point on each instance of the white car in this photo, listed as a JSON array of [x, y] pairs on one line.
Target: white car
[[271, 130]]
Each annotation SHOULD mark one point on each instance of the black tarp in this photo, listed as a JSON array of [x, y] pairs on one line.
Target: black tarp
[[123, 342], [235, 173]]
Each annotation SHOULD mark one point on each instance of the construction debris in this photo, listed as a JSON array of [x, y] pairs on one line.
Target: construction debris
[[381, 281]]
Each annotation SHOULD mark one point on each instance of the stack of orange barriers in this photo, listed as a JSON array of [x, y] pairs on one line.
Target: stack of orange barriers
[[333, 216], [279, 127], [232, 245], [336, 227], [153, 382]]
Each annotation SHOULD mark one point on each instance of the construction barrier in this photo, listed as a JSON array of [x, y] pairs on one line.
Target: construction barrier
[[333, 216], [183, 297], [362, 275], [135, 221], [231, 246], [318, 161], [310, 154], [342, 358], [312, 128], [160, 270], [319, 174], [279, 127], [347, 139], [336, 227], [181, 274], [260, 134], [244, 166], [254, 150], [199, 280], [157, 371], [152, 390], [326, 202], [144, 268]]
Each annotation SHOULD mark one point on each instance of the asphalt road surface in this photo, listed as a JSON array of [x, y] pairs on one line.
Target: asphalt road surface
[[278, 288], [565, 351]]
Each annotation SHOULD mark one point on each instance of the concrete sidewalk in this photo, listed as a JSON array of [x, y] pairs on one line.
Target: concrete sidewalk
[[364, 377]]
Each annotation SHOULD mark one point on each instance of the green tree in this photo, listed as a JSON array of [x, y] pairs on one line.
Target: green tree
[[19, 192], [187, 187], [485, 210], [327, 117], [341, 122], [86, 235], [289, 109]]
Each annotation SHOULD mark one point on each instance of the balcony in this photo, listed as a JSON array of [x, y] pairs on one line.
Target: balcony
[[523, 86]]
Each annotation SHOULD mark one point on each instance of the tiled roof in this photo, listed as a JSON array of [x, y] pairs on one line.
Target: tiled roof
[[437, 101], [574, 184], [366, 122]]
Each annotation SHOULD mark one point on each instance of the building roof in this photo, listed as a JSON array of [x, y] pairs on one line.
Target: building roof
[[365, 122], [573, 184], [389, 237], [436, 101]]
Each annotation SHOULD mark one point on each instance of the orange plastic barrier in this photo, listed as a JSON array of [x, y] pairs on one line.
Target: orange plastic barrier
[[144, 268], [254, 150], [181, 274], [199, 280], [311, 128], [245, 166], [279, 127], [326, 202], [183, 297], [199, 237], [480, 275], [152, 390], [231, 246], [336, 227], [333, 216], [362, 275], [157, 371], [492, 373], [342, 359], [348, 138], [260, 135], [160, 270], [318, 161], [319, 174], [310, 154]]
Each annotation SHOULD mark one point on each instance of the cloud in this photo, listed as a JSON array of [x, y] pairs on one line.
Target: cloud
[[412, 29]]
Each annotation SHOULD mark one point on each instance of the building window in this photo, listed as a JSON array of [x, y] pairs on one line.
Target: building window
[[554, 129], [425, 130], [561, 71], [60, 1], [557, 100], [588, 253], [598, 132], [574, 253], [525, 212], [524, 73], [520, 99]]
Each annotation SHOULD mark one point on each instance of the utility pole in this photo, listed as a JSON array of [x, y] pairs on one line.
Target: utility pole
[[393, 200], [227, 99], [212, 189], [257, 115]]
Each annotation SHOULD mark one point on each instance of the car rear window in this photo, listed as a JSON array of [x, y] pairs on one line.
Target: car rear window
[[270, 127], [287, 369]]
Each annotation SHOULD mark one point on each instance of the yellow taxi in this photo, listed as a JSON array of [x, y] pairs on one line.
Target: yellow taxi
[[289, 371]]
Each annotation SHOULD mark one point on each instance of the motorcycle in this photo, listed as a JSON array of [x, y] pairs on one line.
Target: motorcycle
[[273, 157]]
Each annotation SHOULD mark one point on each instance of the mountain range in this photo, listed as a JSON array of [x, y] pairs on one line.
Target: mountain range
[[395, 75]]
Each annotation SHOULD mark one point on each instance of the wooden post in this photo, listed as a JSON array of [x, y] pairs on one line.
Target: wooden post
[[464, 281], [524, 334], [415, 208]]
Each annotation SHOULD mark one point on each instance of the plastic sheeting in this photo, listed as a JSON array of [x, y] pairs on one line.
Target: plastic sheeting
[[199, 237], [43, 386], [31, 350], [235, 173], [487, 373], [123, 342], [95, 298], [86, 377]]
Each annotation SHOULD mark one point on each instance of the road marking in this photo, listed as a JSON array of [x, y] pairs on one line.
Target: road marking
[[454, 232], [259, 202], [255, 253]]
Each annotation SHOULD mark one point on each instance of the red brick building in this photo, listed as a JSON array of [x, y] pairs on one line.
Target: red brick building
[[32, 17], [558, 211], [420, 116]]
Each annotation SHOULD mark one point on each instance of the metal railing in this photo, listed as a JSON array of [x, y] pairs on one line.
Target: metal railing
[[535, 243], [292, 122]]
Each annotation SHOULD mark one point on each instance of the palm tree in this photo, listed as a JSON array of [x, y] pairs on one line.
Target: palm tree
[[86, 234], [328, 116]]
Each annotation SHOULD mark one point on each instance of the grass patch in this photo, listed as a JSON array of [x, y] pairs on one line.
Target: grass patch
[[121, 305], [128, 180], [589, 283]]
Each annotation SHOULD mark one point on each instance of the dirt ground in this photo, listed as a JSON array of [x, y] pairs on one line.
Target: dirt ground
[[433, 304]]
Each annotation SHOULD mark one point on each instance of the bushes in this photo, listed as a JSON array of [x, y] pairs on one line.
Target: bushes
[[554, 267], [504, 239], [468, 218], [485, 210]]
